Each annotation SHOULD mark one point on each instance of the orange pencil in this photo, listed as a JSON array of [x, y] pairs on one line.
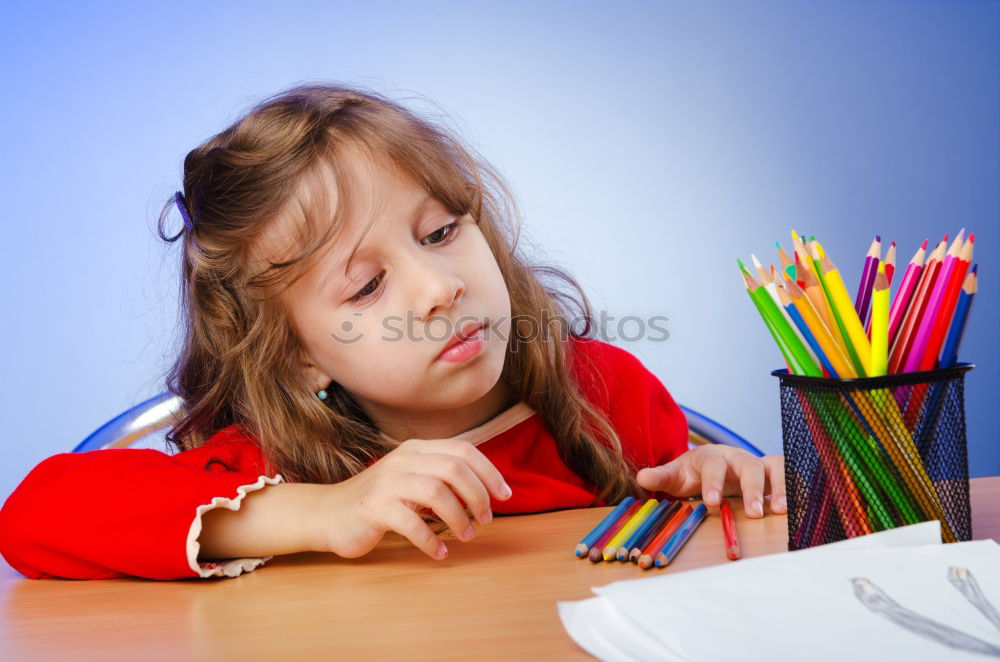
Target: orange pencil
[[646, 558], [733, 551]]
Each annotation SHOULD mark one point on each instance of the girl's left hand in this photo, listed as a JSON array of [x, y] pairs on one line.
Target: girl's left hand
[[714, 470]]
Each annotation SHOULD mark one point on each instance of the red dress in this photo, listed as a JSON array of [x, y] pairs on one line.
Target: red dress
[[137, 512]]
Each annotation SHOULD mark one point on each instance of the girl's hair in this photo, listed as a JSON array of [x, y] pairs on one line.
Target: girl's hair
[[241, 359]]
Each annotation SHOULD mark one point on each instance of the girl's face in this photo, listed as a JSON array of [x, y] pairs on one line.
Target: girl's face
[[420, 276]]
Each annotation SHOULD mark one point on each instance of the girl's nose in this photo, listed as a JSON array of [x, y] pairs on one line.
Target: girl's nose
[[436, 286]]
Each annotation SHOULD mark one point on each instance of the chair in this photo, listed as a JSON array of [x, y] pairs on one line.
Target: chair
[[159, 412]]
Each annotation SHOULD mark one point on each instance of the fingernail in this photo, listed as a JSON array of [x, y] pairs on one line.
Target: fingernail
[[442, 551], [487, 517], [505, 491], [758, 508], [712, 497], [468, 533], [782, 502]]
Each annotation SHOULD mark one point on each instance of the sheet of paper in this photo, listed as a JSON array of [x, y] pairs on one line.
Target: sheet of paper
[[802, 605]]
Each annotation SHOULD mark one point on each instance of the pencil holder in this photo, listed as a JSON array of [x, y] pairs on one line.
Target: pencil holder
[[865, 455]]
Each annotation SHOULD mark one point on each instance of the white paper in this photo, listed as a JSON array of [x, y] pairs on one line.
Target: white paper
[[797, 605]]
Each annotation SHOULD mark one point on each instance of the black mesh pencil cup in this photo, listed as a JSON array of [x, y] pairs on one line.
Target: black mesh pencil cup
[[865, 455]]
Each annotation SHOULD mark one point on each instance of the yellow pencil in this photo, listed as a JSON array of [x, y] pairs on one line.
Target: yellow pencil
[[836, 356], [841, 301], [880, 323], [611, 549]]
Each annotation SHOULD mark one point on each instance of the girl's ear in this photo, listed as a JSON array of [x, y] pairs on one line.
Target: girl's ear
[[317, 379]]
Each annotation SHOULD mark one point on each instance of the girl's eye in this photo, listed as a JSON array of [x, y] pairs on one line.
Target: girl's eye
[[442, 233], [367, 290], [440, 236]]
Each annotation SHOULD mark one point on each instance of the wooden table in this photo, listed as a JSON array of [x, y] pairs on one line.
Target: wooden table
[[493, 598]]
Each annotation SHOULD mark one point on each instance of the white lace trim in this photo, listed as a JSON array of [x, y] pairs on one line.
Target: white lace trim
[[502, 422], [228, 567]]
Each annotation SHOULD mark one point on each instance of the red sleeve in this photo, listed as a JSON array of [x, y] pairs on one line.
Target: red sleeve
[[128, 512], [652, 428]]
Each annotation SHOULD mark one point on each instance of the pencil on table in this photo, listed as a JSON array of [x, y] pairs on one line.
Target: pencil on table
[[671, 549], [733, 550], [588, 541], [611, 549], [656, 544], [902, 299], [623, 551], [596, 553], [664, 517]]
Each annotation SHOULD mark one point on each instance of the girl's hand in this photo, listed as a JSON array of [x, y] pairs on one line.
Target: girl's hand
[[419, 473], [714, 470]]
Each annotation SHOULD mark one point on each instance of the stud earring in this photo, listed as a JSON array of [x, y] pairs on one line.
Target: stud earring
[[321, 394]]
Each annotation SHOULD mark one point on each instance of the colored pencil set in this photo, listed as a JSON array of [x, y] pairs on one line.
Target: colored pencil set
[[870, 438], [648, 534]]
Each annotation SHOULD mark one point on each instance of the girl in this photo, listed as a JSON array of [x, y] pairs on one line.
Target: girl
[[365, 349]]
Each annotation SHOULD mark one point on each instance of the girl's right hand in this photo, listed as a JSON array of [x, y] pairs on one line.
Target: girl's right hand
[[419, 473]]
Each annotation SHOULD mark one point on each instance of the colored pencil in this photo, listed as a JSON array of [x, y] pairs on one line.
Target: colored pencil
[[905, 291], [831, 351], [880, 323], [611, 549], [904, 339], [733, 550], [787, 265], [646, 558], [588, 541], [945, 312], [662, 519], [854, 330], [802, 363], [890, 262], [644, 526], [868, 278], [596, 554], [920, 341], [677, 541], [806, 333], [772, 289], [949, 355]]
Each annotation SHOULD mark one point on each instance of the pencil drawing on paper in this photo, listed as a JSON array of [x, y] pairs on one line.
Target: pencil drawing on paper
[[879, 602]]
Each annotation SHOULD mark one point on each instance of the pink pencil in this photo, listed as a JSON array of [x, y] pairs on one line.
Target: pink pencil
[[933, 306], [890, 262], [905, 291]]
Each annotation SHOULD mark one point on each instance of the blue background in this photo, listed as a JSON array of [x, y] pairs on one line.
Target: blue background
[[649, 144]]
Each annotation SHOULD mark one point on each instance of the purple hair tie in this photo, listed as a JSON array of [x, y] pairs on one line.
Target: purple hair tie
[[182, 205]]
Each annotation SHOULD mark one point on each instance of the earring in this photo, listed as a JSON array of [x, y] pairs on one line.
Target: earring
[[321, 394]]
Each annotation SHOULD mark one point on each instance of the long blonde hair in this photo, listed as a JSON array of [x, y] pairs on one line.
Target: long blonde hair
[[238, 363]]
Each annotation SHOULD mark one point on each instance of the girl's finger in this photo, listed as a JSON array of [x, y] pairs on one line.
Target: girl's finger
[[408, 524], [461, 478], [774, 465], [751, 472], [488, 474], [713, 468], [437, 495]]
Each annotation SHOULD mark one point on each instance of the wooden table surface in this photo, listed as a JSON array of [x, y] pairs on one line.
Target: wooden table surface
[[493, 598]]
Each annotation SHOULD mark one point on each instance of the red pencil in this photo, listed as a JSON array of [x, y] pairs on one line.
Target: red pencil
[[890, 262], [947, 308], [596, 553], [904, 339], [733, 550], [905, 292], [646, 558]]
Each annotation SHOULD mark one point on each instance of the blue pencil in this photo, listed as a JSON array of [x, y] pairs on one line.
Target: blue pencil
[[675, 543], [622, 553], [949, 355], [584, 546], [796, 316]]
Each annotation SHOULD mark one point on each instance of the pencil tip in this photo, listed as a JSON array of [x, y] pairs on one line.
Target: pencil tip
[[975, 268], [795, 235], [878, 238], [891, 244], [924, 245], [972, 238]]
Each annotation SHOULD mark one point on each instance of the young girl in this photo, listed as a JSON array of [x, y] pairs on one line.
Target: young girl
[[365, 350]]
